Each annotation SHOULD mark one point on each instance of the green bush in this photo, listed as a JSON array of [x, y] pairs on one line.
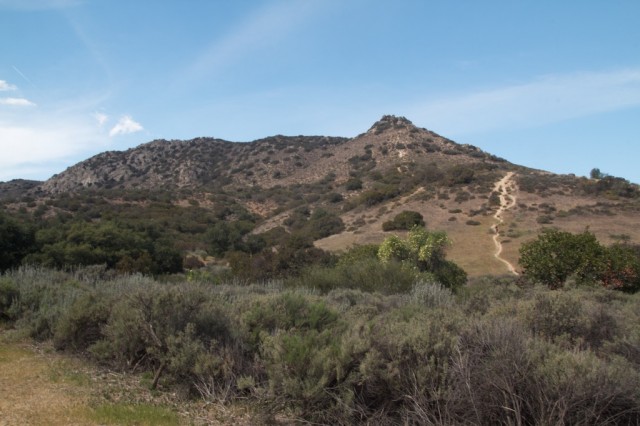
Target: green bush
[[366, 275], [16, 241], [353, 184], [424, 251], [404, 220], [285, 312], [555, 256], [9, 294]]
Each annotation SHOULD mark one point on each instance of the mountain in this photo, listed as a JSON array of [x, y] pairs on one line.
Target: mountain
[[277, 160], [365, 181]]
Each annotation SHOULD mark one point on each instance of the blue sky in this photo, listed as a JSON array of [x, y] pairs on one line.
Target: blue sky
[[553, 85]]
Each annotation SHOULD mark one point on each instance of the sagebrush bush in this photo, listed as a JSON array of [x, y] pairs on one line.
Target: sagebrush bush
[[555, 314], [490, 370], [81, 325], [366, 275], [431, 294], [496, 352], [9, 294]]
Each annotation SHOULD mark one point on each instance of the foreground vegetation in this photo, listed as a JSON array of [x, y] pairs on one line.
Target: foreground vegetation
[[498, 351]]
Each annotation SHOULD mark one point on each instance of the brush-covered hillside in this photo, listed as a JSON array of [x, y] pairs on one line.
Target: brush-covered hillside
[[205, 199]]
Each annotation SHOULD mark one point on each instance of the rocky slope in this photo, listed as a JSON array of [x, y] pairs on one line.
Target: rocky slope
[[277, 160]]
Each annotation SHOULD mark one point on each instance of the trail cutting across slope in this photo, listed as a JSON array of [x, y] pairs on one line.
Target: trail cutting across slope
[[505, 188]]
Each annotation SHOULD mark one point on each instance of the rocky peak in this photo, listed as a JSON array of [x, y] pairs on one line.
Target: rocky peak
[[390, 122]]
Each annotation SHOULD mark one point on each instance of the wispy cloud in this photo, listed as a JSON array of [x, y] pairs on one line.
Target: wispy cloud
[[5, 87], [21, 102], [37, 142], [547, 99], [265, 27], [101, 118], [124, 126], [37, 145], [21, 74]]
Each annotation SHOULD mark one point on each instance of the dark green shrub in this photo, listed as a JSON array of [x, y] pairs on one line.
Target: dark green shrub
[[9, 294], [460, 175], [353, 184], [366, 275], [404, 220], [555, 256], [378, 194], [622, 268], [358, 253], [335, 197], [16, 241]]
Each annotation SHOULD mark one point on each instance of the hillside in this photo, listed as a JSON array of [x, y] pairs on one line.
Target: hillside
[[355, 184]]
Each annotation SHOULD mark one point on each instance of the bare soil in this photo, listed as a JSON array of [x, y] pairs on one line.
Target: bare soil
[[39, 386]]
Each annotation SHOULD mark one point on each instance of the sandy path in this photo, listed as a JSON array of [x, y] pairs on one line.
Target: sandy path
[[507, 200]]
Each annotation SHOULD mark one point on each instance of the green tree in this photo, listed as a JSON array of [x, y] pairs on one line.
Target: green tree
[[556, 255], [596, 174], [425, 251], [16, 241], [622, 268]]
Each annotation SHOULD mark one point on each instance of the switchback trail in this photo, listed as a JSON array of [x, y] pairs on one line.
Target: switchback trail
[[505, 188]]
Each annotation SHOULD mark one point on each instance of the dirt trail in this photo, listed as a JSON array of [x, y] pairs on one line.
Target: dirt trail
[[505, 188]]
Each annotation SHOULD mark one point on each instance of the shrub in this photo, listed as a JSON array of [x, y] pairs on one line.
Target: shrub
[[81, 325], [490, 374], [9, 294], [431, 294], [366, 275], [405, 366], [353, 184], [424, 251], [556, 255], [556, 314], [499, 352], [404, 220], [166, 329], [378, 194], [285, 312]]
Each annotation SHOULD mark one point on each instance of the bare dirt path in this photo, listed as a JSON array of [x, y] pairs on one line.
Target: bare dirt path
[[505, 188]]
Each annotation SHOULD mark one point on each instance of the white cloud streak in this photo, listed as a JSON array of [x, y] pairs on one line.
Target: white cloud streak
[[545, 100], [265, 27], [37, 145], [38, 142], [6, 87], [20, 102], [101, 118], [125, 126]]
